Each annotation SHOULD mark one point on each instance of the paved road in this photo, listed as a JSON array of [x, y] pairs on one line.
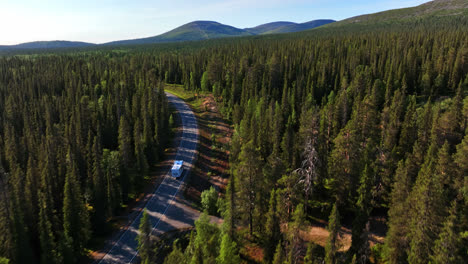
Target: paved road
[[125, 249]]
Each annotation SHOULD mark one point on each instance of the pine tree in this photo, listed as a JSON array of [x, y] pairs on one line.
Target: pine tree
[[125, 138], [294, 229], [396, 242], [334, 234], [76, 225], [310, 256], [363, 210], [23, 251], [247, 174], [205, 245], [448, 247], [205, 82], [342, 164], [100, 203], [49, 252], [31, 197], [461, 161], [228, 252], [144, 237], [279, 254], [228, 215], [176, 256], [427, 207], [272, 228]]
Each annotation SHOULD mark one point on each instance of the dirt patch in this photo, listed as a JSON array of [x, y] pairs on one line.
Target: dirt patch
[[212, 166], [318, 233]]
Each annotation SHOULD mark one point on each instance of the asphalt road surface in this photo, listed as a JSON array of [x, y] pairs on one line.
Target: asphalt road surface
[[125, 249]]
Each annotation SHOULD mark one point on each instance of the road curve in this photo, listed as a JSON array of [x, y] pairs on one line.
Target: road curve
[[125, 249]]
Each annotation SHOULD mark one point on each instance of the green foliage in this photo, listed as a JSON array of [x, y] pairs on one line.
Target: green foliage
[[176, 256], [333, 240], [313, 254], [204, 245], [209, 201], [228, 252], [279, 254], [144, 237], [205, 83], [76, 224], [272, 228], [171, 121]]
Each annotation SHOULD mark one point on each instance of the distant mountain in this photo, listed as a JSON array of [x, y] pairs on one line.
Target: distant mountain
[[265, 28], [197, 30], [48, 45], [287, 27], [200, 30], [429, 9]]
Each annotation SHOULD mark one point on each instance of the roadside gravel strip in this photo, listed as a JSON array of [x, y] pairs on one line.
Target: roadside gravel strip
[[125, 249]]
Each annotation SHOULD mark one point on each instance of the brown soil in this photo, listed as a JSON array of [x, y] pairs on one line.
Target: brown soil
[[318, 233]]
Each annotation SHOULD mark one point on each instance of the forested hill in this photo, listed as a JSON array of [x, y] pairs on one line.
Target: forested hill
[[436, 8], [193, 31], [197, 30], [48, 45], [287, 27], [202, 30]]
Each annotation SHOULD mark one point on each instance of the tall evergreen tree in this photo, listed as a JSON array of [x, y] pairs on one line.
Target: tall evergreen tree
[[228, 252], [144, 238], [396, 242], [334, 236], [76, 226], [427, 210], [448, 248], [272, 229]]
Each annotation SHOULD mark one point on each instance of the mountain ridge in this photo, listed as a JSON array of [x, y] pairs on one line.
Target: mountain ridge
[[192, 31], [431, 8], [48, 45], [287, 27], [202, 30]]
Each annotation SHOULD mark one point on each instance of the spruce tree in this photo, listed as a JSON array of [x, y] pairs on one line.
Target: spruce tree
[[396, 242], [294, 228], [334, 235], [228, 252], [448, 248], [311, 254], [144, 237], [363, 210], [76, 226], [176, 256], [125, 139], [427, 210], [279, 255], [272, 228], [47, 241]]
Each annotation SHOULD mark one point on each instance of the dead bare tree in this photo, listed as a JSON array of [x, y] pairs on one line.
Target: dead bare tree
[[308, 172]]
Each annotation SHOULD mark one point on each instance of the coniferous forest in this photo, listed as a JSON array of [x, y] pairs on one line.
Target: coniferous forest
[[333, 124]]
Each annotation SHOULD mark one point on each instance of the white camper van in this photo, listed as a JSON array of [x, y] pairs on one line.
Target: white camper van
[[177, 168]]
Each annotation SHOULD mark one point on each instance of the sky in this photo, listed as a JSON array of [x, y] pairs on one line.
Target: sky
[[100, 21]]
